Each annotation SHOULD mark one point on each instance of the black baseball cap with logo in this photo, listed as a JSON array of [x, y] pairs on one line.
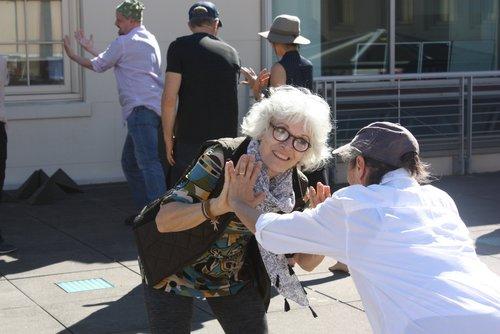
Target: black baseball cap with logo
[[386, 142], [210, 13]]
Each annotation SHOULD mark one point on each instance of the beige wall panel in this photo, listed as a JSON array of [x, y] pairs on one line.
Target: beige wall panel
[[440, 166], [67, 143], [485, 163]]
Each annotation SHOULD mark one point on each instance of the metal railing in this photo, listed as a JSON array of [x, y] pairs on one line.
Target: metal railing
[[455, 114]]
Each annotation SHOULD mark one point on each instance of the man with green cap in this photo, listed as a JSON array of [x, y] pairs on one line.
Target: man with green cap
[[135, 57]]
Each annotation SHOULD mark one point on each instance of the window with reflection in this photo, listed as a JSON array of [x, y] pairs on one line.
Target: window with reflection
[[360, 47], [345, 40], [31, 37], [350, 37], [343, 11], [448, 36]]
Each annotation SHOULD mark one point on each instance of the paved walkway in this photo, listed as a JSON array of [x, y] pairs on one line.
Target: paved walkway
[[83, 237]]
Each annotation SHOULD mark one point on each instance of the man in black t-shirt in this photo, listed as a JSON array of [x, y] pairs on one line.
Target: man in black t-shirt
[[202, 76]]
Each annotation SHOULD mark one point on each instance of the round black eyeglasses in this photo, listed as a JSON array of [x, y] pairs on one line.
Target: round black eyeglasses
[[281, 134]]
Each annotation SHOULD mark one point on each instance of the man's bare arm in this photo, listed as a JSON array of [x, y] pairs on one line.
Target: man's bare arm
[[169, 111], [278, 75]]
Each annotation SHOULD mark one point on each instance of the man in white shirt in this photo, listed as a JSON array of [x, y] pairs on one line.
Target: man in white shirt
[[135, 57], [4, 79], [408, 251]]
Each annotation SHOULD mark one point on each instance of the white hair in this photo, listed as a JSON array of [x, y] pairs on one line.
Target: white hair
[[294, 105]]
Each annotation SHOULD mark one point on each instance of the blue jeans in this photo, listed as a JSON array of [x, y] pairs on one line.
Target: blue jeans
[[140, 159]]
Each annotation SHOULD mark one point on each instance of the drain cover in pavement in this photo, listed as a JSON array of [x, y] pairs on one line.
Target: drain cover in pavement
[[84, 285]]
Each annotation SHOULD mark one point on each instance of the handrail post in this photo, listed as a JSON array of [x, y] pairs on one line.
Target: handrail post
[[470, 102], [399, 100], [462, 126], [392, 36], [333, 172]]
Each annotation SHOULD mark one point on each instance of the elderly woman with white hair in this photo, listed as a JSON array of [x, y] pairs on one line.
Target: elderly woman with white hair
[[213, 255]]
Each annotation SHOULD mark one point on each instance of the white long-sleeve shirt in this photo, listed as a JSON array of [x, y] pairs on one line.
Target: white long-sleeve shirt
[[408, 252], [136, 59]]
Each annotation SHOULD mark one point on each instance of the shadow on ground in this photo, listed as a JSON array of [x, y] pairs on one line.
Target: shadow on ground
[[130, 306], [83, 228], [488, 244], [86, 232], [78, 233]]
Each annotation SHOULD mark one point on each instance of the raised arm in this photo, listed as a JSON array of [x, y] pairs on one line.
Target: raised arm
[[240, 196], [85, 62], [315, 231], [178, 216], [86, 42], [278, 75], [256, 82], [183, 209]]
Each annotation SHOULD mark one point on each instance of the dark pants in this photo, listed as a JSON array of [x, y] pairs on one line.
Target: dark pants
[[3, 159], [184, 153], [240, 313], [3, 155]]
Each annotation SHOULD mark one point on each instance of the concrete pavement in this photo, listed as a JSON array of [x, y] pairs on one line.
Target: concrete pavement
[[83, 237]]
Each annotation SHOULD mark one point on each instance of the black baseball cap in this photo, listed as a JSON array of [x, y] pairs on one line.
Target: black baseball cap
[[210, 13], [386, 142]]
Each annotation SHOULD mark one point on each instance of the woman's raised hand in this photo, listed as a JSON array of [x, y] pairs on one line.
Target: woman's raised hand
[[318, 195], [250, 76], [242, 179], [256, 82]]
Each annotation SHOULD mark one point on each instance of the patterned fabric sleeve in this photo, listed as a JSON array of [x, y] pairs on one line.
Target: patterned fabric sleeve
[[198, 182]]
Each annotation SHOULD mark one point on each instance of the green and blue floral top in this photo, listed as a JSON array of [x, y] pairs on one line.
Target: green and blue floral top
[[217, 271]]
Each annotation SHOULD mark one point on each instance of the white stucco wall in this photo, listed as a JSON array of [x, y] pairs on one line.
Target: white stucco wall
[[85, 138]]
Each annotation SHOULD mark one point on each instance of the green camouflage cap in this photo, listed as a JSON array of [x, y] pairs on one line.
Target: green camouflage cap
[[131, 9]]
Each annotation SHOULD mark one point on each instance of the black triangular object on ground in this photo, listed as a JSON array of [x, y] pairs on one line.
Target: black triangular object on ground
[[31, 184], [47, 193], [65, 182], [9, 197]]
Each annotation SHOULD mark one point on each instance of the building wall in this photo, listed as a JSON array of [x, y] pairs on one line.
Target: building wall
[[85, 138]]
